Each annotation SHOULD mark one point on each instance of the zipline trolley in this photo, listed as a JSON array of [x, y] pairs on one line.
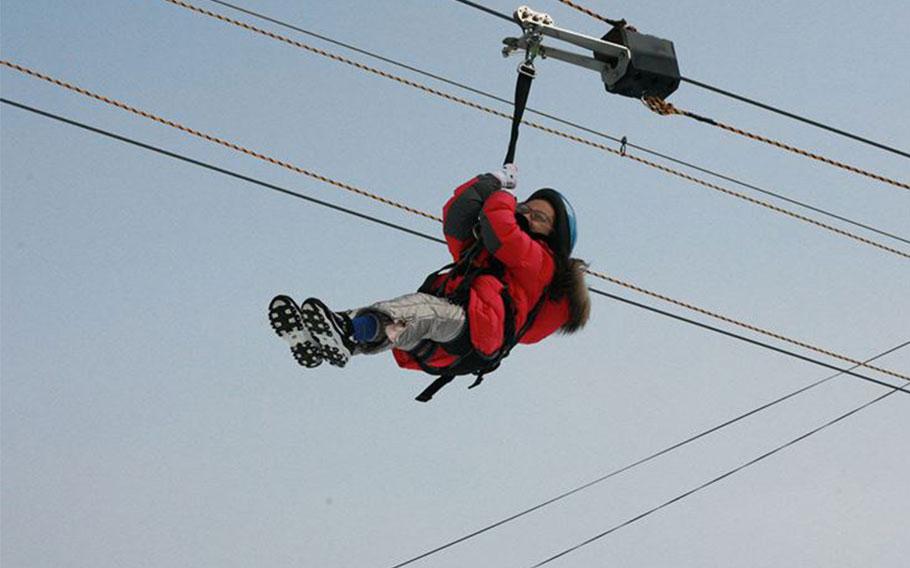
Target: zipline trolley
[[631, 64]]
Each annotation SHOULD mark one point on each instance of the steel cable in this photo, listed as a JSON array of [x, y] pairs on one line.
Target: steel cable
[[797, 117], [666, 108], [215, 139], [592, 13], [747, 100], [663, 107], [635, 464], [380, 199], [616, 139], [721, 477], [435, 239], [567, 136]]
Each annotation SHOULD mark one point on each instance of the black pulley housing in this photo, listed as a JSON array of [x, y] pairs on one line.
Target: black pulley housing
[[652, 71]]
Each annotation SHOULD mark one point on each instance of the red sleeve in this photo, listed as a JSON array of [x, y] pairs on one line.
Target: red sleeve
[[507, 242], [461, 211]]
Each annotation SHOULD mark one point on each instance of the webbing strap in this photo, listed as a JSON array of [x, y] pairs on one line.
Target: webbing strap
[[434, 387], [522, 88]]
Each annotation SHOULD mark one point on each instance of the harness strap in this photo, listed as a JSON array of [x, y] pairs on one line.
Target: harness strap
[[434, 387], [480, 368], [522, 88]]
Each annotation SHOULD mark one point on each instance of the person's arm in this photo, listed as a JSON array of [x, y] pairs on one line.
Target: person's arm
[[460, 213], [505, 240]]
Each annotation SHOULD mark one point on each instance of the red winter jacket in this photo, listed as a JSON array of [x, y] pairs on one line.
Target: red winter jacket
[[529, 267]]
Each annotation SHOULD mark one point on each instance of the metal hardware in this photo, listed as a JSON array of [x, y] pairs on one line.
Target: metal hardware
[[614, 60]]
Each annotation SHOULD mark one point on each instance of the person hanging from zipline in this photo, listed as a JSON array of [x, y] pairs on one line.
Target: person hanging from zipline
[[513, 281]]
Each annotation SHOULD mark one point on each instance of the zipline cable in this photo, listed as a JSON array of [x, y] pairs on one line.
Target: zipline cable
[[592, 13], [567, 136], [428, 237], [795, 117], [435, 239], [635, 464], [385, 201], [721, 477], [666, 108], [490, 11], [216, 140], [220, 170], [747, 100], [554, 118]]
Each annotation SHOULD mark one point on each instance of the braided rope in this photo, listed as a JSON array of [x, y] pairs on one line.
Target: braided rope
[[216, 140], [665, 108], [591, 13], [743, 325], [385, 201], [567, 136]]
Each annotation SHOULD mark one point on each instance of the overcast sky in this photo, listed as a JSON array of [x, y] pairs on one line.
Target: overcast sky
[[150, 417]]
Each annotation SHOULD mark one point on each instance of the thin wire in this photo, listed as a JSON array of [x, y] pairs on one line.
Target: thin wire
[[666, 108], [216, 140], [428, 237], [722, 477], [594, 290], [592, 13], [740, 337], [757, 103], [549, 130], [220, 170], [727, 127], [633, 465], [554, 118], [738, 323], [404, 207], [362, 192], [795, 117], [483, 8]]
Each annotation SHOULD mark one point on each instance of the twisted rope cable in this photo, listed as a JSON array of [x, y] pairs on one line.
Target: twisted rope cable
[[216, 140], [738, 323], [375, 197], [565, 135], [665, 108], [592, 13]]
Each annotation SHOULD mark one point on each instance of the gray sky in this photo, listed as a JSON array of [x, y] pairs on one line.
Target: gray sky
[[150, 417]]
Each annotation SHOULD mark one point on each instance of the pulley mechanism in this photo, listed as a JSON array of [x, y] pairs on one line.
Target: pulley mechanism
[[630, 63]]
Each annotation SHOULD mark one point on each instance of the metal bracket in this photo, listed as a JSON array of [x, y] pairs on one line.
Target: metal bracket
[[614, 57]]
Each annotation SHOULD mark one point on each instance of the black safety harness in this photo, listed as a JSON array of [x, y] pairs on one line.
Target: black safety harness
[[468, 360]]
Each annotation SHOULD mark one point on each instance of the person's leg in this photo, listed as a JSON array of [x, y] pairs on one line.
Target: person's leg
[[415, 317], [402, 322]]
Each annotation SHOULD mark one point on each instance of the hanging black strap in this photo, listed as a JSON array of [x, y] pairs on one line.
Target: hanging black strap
[[434, 387], [522, 88]]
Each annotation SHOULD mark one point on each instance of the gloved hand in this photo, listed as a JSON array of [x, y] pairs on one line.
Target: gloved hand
[[507, 176]]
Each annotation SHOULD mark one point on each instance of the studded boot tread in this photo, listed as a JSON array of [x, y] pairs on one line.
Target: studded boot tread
[[287, 321], [333, 331]]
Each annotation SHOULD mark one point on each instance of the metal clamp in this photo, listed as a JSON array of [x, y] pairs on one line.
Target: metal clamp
[[610, 60], [528, 18]]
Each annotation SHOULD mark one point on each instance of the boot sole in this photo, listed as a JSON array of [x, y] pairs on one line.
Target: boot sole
[[286, 320], [317, 320]]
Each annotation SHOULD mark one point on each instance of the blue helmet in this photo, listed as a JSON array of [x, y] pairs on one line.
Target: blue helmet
[[565, 231]]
